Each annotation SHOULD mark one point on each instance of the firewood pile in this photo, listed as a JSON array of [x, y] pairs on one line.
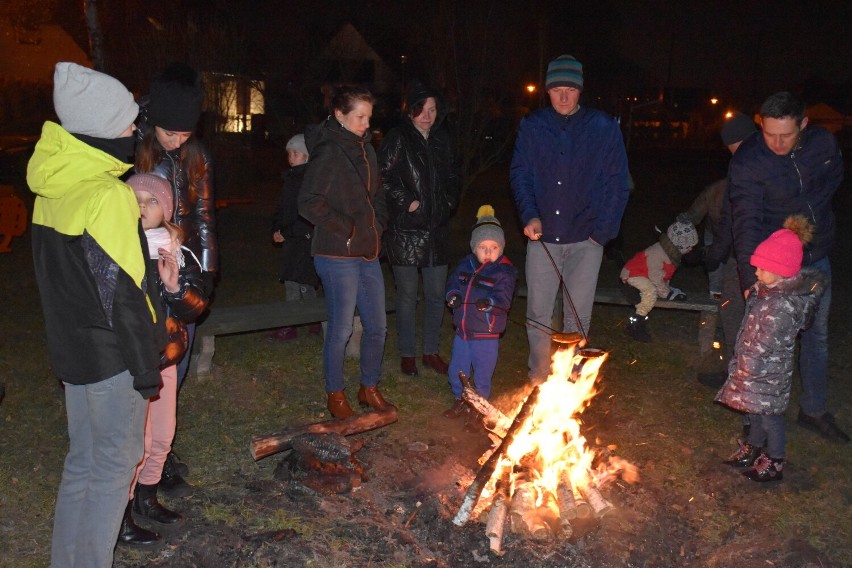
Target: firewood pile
[[539, 478], [325, 463], [320, 456]]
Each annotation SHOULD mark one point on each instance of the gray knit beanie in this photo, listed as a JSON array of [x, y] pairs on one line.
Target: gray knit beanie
[[91, 103], [297, 143], [487, 228], [564, 71], [682, 233]]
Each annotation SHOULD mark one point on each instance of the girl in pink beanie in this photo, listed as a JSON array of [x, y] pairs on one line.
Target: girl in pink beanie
[[780, 304]]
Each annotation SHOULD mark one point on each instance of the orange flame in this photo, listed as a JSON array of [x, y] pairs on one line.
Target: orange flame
[[550, 445]]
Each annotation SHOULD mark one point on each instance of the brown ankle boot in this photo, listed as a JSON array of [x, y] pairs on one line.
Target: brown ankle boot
[[338, 405], [370, 396]]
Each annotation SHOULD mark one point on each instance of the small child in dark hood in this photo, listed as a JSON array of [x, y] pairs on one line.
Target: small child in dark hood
[[780, 304], [293, 233], [645, 277]]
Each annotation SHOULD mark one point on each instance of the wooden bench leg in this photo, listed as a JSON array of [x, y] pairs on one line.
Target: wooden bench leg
[[707, 331], [203, 361]]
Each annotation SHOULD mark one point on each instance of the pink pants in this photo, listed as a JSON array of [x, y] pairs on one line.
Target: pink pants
[[159, 430]]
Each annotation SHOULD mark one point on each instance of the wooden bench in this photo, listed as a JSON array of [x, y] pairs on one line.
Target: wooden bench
[[708, 311], [228, 320]]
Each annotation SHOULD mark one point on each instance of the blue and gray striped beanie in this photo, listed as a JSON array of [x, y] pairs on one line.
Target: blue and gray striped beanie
[[564, 71]]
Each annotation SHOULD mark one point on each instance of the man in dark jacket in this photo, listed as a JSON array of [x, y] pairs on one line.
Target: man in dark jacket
[[98, 311], [570, 184], [791, 169]]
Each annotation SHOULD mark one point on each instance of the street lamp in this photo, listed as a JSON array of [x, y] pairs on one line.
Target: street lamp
[[531, 89]]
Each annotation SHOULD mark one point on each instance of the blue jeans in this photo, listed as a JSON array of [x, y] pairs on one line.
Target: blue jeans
[[579, 264], [106, 424], [434, 283], [813, 352], [351, 283], [767, 432], [479, 355]]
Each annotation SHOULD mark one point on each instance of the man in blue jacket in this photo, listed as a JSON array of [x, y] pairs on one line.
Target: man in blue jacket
[[570, 183], [791, 169]]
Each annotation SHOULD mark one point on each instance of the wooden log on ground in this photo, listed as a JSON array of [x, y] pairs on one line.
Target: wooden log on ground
[[263, 446], [487, 470]]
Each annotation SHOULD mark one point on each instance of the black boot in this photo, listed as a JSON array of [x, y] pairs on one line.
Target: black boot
[[637, 328], [171, 481], [131, 534], [145, 504], [745, 456], [766, 469]]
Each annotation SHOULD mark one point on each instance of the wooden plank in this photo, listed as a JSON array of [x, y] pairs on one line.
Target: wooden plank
[[613, 296], [255, 317]]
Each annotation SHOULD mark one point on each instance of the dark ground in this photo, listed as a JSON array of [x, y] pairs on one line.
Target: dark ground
[[687, 509]]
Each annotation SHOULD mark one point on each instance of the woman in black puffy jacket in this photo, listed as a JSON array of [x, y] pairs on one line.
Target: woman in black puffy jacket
[[421, 187]]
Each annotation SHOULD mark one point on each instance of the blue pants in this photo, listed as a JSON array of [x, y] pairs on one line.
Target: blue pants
[[813, 352], [479, 355], [351, 283], [768, 432], [106, 425], [434, 282], [579, 264]]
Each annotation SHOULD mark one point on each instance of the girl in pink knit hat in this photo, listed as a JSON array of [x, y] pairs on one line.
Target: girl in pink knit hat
[[780, 304]]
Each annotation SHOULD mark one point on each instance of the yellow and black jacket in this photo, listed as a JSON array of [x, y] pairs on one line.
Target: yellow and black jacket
[[90, 265]]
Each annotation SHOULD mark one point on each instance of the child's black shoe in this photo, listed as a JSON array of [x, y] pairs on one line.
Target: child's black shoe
[[745, 456], [766, 469], [637, 328]]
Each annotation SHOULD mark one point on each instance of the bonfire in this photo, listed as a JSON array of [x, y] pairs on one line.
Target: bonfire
[[541, 474]]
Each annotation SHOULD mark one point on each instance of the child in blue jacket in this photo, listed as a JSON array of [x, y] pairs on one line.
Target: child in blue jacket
[[479, 292]]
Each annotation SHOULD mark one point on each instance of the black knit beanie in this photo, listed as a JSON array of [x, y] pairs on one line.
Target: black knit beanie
[[176, 97]]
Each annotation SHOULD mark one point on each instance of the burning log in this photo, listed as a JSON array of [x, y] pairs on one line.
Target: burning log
[[263, 446], [492, 418], [596, 501], [499, 511], [524, 513], [487, 470], [565, 496], [584, 511]]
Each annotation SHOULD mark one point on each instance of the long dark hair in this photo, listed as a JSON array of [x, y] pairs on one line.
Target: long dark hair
[[149, 153]]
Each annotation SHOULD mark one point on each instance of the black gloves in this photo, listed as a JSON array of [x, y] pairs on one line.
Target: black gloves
[[483, 305]]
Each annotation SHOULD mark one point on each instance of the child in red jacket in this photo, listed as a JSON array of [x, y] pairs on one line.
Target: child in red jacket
[[650, 270]]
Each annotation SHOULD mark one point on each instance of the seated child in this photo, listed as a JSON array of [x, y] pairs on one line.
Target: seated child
[[649, 272], [780, 304], [479, 292]]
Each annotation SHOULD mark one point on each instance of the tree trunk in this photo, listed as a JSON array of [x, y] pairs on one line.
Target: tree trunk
[[96, 36]]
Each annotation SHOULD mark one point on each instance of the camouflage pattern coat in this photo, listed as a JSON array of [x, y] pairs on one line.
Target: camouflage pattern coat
[[760, 374]]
